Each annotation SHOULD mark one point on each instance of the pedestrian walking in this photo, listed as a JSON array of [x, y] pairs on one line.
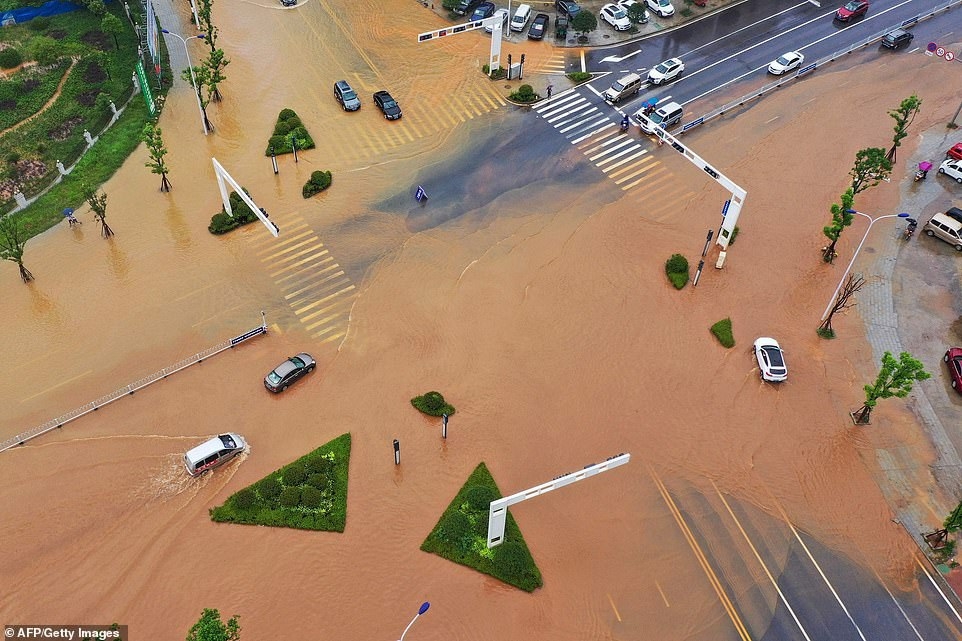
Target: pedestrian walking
[[71, 219], [549, 89]]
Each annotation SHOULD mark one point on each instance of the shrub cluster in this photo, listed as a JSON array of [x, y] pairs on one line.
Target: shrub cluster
[[461, 536], [222, 222], [525, 93], [309, 493], [433, 404], [10, 58], [288, 129], [677, 269], [723, 332], [320, 180]]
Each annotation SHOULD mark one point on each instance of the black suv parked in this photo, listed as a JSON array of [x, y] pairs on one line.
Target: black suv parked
[[568, 8], [897, 38]]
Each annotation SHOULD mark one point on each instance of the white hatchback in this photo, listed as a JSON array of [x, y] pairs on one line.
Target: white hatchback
[[771, 360], [952, 168], [616, 16]]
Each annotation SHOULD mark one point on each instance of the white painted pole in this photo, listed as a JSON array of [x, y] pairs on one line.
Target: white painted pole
[[193, 78]]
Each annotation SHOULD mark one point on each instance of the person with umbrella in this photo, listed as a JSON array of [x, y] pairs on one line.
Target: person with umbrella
[[71, 219]]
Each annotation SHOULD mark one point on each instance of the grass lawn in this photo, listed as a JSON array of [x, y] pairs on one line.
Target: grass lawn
[[461, 536], [100, 74], [308, 494]]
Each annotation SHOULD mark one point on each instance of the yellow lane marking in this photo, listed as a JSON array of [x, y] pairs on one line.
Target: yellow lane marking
[[321, 301], [60, 384], [662, 593], [758, 558], [611, 601], [701, 558]]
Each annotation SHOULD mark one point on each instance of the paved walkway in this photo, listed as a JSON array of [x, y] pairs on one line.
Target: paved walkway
[[881, 303]]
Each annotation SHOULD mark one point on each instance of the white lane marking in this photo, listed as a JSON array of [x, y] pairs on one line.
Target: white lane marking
[[944, 598], [899, 606], [606, 124]]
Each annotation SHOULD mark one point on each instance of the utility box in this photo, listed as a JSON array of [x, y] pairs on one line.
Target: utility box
[[514, 71]]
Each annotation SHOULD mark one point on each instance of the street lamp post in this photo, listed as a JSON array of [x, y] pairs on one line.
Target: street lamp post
[[193, 78], [872, 221], [424, 608]]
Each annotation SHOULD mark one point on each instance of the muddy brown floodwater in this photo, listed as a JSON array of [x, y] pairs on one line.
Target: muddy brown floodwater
[[541, 312]]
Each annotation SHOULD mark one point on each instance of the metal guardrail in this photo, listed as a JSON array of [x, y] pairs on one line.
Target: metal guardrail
[[129, 389], [807, 69]]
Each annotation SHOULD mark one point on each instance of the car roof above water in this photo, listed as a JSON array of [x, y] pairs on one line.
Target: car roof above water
[[229, 441]]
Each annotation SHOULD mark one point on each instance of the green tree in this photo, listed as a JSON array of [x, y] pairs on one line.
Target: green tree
[[95, 7], [45, 50], [584, 22], [215, 64], [894, 379], [904, 115], [112, 24], [13, 238], [871, 167], [450, 4], [211, 628], [202, 74], [98, 204], [153, 139], [841, 218], [637, 13], [207, 27]]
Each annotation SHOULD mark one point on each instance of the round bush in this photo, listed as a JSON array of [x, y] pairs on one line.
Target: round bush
[[286, 114], [221, 223], [511, 556], [311, 497], [46, 50], [282, 128], [290, 497], [479, 497], [10, 58], [319, 465], [525, 90], [245, 499], [279, 143], [270, 488], [293, 123], [456, 528], [434, 401], [318, 481], [676, 264], [295, 475]]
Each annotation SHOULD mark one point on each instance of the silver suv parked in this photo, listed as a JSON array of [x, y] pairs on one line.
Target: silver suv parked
[[346, 96]]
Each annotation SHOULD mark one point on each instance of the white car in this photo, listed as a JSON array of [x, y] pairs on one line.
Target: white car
[[952, 168], [628, 4], [785, 63], [771, 360], [501, 14], [663, 8], [616, 16], [666, 71]]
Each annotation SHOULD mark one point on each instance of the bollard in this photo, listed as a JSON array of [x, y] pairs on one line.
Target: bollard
[[397, 452], [444, 426], [701, 264], [274, 160], [704, 252], [294, 148]]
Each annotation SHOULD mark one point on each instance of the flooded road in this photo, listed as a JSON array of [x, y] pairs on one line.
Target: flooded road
[[529, 290]]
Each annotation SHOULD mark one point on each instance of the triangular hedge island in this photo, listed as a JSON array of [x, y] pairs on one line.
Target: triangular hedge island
[[287, 130], [308, 494], [461, 536]]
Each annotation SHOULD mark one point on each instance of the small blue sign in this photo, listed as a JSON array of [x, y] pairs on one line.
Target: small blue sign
[[420, 195], [725, 207]]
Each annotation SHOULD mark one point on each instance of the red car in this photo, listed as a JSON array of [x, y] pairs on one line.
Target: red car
[[955, 151], [854, 9], [953, 357]]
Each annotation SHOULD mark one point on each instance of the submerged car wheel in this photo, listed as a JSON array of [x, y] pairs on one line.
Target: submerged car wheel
[[284, 389], [929, 232]]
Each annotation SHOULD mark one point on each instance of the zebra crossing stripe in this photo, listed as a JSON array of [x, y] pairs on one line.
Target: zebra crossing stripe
[[621, 143], [626, 160], [579, 124], [581, 105], [587, 124], [618, 155], [606, 124]]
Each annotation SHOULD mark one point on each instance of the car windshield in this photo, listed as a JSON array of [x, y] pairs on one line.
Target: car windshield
[[298, 361], [273, 378], [618, 13], [664, 3], [618, 87], [784, 60], [389, 103], [852, 6], [349, 94], [662, 68]]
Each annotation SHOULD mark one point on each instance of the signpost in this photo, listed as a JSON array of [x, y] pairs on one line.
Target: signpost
[[145, 90]]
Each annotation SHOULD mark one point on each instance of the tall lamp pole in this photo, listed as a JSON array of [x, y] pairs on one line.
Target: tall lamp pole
[[872, 221], [193, 78], [424, 608]]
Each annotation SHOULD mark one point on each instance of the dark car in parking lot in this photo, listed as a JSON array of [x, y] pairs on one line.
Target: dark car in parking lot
[[896, 38], [954, 213], [465, 7], [387, 104], [282, 376], [538, 26], [568, 8], [852, 10], [482, 11]]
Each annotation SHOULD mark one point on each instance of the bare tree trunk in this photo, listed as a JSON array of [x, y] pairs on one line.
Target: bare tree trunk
[[863, 415], [25, 273], [164, 183]]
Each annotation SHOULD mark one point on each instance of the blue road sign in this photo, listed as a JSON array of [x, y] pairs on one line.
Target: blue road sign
[[725, 207], [420, 194]]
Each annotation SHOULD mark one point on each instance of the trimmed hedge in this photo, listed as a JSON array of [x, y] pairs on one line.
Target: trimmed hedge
[[320, 180], [10, 58], [723, 332], [676, 268], [461, 536], [525, 93], [433, 404], [222, 222], [288, 129], [288, 498]]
